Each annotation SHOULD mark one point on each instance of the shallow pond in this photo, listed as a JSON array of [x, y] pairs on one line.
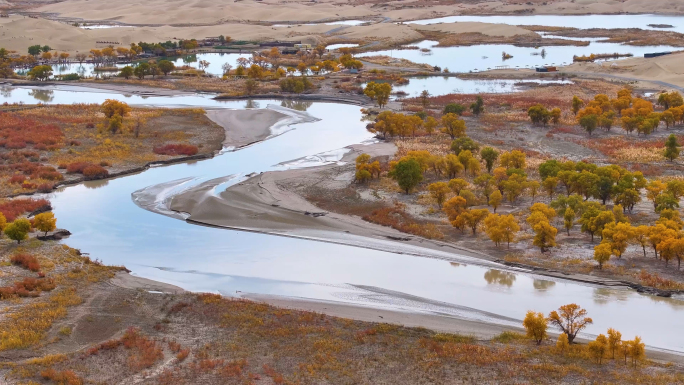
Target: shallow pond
[[106, 223], [574, 21], [442, 85], [483, 57]]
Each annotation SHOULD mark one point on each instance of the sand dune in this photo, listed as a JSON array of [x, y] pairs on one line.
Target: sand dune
[[221, 11], [488, 29], [18, 33], [668, 69]]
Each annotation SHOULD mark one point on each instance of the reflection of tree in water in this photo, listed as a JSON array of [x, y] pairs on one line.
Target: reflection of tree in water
[[6, 92], [189, 59], [251, 104], [296, 104], [543, 285], [95, 184], [499, 277], [43, 95], [603, 295]]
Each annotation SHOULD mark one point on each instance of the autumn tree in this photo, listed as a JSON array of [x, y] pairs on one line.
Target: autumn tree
[[539, 115], [618, 236], [407, 173], [545, 235], [111, 107], [570, 319], [589, 123], [577, 104], [18, 230], [489, 155], [41, 72], [513, 159], [453, 125], [126, 72], [562, 343], [379, 92], [454, 207], [472, 218], [478, 106], [495, 199], [453, 108], [535, 325], [45, 222], [464, 144], [439, 191], [501, 228], [614, 341], [671, 148], [637, 350], [568, 219], [598, 348], [166, 66], [602, 253]]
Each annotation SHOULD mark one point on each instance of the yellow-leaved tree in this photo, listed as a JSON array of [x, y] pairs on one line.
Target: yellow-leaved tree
[[535, 324], [570, 319], [45, 222]]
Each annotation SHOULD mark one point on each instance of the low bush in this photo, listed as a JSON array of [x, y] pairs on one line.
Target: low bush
[[176, 149], [26, 261], [17, 179], [95, 172], [13, 208]]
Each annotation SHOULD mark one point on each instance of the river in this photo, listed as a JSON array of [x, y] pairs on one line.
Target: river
[[106, 223]]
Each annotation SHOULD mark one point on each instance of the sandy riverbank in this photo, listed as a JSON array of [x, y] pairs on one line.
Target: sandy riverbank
[[222, 11]]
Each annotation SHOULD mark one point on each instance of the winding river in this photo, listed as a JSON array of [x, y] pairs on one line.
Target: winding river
[[106, 223]]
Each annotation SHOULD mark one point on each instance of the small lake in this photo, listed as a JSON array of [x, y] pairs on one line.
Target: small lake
[[483, 57], [442, 85], [106, 223], [574, 21], [216, 62]]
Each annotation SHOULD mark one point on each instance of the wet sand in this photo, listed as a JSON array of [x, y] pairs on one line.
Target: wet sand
[[244, 127]]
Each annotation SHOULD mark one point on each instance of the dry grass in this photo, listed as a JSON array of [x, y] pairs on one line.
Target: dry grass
[[247, 342], [73, 134]]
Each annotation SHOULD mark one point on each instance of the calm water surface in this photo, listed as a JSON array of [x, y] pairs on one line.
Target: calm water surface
[[483, 57], [574, 21], [106, 223]]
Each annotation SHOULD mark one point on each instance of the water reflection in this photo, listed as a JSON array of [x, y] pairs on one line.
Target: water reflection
[[543, 285], [6, 92], [499, 277], [456, 264], [603, 295], [251, 104], [189, 59], [45, 96], [95, 184], [298, 105]]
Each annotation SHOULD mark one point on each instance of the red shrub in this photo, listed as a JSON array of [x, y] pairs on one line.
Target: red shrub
[[77, 167], [145, 351], [27, 261], [7, 292], [15, 143], [65, 377], [13, 208], [17, 179], [29, 186], [176, 149], [182, 355], [45, 188], [95, 172]]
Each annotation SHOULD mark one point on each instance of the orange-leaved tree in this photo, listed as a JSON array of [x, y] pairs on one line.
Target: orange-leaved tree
[[571, 319]]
